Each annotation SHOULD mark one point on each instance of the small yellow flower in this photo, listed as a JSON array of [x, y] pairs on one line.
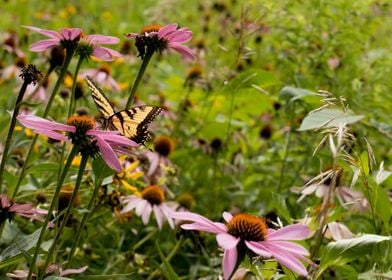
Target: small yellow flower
[[107, 16]]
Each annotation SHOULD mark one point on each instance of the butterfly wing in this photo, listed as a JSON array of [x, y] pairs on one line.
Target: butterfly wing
[[133, 123], [100, 100]]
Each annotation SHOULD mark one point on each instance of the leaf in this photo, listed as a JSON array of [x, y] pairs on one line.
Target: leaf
[[343, 251], [57, 278], [327, 118], [370, 275], [293, 93], [382, 205], [25, 243], [44, 167], [166, 268], [100, 170], [111, 276]]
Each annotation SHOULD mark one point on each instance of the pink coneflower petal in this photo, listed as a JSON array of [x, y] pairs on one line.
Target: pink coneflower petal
[[158, 215], [145, 214], [46, 32], [102, 39], [131, 204], [167, 213], [287, 246], [185, 51], [229, 261], [227, 241], [227, 216], [105, 53], [291, 232], [258, 248], [108, 154], [291, 262], [70, 33], [43, 45], [199, 222], [52, 134], [38, 123], [73, 271], [180, 37], [165, 30]]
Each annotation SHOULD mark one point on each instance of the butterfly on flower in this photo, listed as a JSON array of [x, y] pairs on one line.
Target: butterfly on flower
[[131, 123]]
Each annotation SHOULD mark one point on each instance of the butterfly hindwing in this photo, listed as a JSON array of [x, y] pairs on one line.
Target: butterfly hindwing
[[100, 100], [132, 123]]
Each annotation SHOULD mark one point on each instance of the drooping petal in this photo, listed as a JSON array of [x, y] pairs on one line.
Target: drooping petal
[[158, 215], [180, 37], [258, 248], [52, 134], [290, 232], [43, 45], [282, 246], [146, 213], [165, 30], [185, 51], [108, 154], [105, 53], [113, 137], [131, 204], [102, 39], [229, 261], [291, 262], [227, 241], [140, 207], [36, 123], [200, 222], [167, 212], [50, 33]]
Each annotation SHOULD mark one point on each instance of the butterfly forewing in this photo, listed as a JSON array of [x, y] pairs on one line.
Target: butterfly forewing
[[132, 123], [100, 100]]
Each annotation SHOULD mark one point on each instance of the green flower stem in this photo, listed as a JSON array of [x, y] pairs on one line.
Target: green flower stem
[[73, 153], [11, 131], [60, 79], [67, 213], [139, 77], [72, 102], [86, 216]]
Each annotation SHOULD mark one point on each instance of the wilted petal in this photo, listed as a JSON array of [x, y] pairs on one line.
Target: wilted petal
[[229, 261], [227, 241], [290, 232]]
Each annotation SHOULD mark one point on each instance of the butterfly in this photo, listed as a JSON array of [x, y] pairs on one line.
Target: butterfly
[[132, 123]]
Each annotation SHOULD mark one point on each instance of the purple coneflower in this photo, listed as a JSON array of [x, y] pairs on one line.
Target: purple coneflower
[[90, 45], [82, 130], [66, 37], [151, 200], [158, 38], [244, 231], [8, 209]]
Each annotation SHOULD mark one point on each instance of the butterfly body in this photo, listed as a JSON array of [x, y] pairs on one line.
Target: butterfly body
[[131, 123]]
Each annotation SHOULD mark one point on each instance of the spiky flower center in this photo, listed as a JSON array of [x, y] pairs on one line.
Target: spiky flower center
[[106, 69], [150, 28], [163, 145], [82, 123], [247, 227], [153, 194], [87, 143]]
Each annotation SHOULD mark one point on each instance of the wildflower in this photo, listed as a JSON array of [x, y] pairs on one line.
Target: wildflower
[[8, 209], [151, 200], [244, 231], [163, 146], [11, 44], [90, 45], [52, 269], [129, 173], [68, 38], [81, 130], [102, 76], [157, 38]]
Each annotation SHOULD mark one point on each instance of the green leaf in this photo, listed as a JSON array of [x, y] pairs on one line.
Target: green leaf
[[293, 93], [327, 118], [370, 275], [44, 167], [100, 170], [256, 79], [25, 243], [57, 278], [382, 206], [342, 251], [166, 269]]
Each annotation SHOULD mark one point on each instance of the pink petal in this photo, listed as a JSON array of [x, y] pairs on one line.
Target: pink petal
[[153, 158], [165, 30], [291, 232], [227, 216], [132, 35], [35, 122], [146, 213], [4, 201], [52, 134], [227, 241], [229, 261], [134, 201], [113, 137], [180, 37], [322, 190], [167, 213], [200, 222], [286, 246], [185, 51], [158, 215], [102, 39], [43, 45], [108, 154], [141, 206], [291, 262], [70, 33], [50, 33], [73, 271], [105, 53], [258, 248]]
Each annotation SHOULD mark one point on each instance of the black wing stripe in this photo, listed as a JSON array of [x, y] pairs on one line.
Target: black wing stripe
[[100, 99]]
